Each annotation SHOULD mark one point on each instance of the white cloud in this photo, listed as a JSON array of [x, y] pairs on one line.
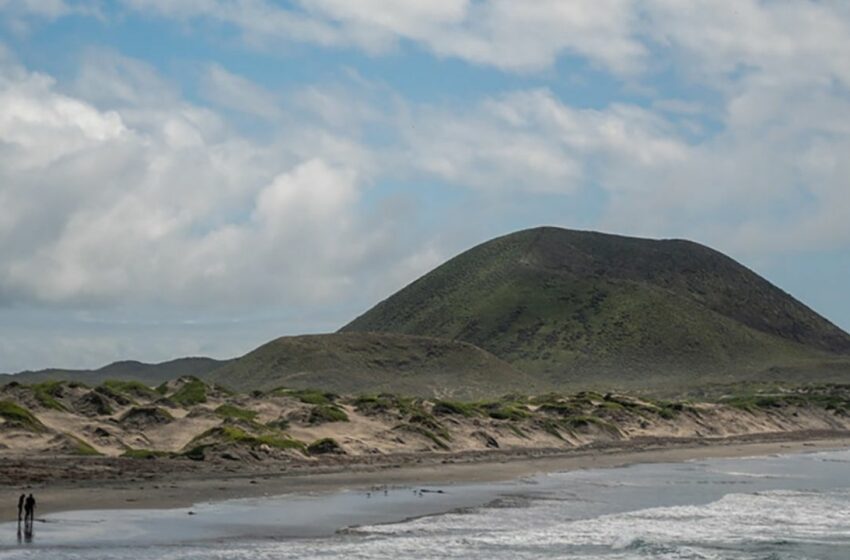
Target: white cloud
[[50, 9], [145, 202], [235, 92], [114, 188], [789, 39], [526, 36], [108, 78], [530, 141]]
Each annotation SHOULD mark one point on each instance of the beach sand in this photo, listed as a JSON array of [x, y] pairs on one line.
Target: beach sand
[[169, 483]]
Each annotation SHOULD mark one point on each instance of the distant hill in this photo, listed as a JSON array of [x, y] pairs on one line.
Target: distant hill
[[577, 308], [150, 374], [374, 363]]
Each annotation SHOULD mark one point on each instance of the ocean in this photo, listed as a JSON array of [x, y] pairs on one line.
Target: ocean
[[760, 508]]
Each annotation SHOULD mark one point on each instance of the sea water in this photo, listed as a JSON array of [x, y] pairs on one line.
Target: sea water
[[761, 508]]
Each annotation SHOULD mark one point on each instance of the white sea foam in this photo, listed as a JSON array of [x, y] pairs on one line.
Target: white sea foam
[[799, 510], [802, 517]]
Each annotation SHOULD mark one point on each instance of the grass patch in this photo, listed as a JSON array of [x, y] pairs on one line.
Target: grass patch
[[130, 388], [82, 448], [552, 427], [559, 409], [424, 431], [322, 414], [506, 411], [279, 424], [46, 394], [145, 417], [388, 402], [191, 393], [19, 417], [308, 396], [517, 431], [751, 403], [118, 397], [455, 408], [96, 401], [233, 434], [231, 411], [581, 422], [324, 446]]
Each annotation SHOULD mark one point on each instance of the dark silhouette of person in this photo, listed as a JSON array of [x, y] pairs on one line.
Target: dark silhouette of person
[[29, 509], [21, 507]]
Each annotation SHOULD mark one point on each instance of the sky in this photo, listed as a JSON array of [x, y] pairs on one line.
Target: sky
[[197, 177]]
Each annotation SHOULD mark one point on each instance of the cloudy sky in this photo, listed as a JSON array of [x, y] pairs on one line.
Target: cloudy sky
[[195, 177]]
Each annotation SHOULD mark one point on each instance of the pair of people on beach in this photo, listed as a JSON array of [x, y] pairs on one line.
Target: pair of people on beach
[[26, 506]]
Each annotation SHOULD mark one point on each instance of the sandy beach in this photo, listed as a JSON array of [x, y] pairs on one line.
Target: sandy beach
[[168, 483]]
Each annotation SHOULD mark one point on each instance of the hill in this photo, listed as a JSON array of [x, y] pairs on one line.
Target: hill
[[586, 309], [149, 374], [373, 363]]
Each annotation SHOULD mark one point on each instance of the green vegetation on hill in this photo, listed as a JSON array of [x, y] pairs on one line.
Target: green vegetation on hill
[[47, 394], [193, 391], [541, 309], [370, 363], [131, 389], [239, 436], [232, 411], [16, 416], [582, 309]]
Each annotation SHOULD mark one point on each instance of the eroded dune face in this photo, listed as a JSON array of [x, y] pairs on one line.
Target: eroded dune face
[[189, 418]]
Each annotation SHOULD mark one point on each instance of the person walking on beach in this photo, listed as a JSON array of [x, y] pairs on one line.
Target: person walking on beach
[[29, 509], [21, 507]]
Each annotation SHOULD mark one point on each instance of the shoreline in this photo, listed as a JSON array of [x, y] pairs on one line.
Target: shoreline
[[151, 487]]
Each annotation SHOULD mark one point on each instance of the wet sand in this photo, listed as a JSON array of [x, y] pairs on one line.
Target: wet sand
[[163, 484]]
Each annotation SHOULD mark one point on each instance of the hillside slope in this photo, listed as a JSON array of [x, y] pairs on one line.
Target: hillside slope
[[589, 309], [149, 374], [373, 363]]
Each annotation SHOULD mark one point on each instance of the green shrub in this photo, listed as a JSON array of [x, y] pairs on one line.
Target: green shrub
[[279, 424], [191, 393], [578, 422], [130, 388], [231, 411], [321, 414], [552, 427], [116, 396], [81, 447], [386, 402], [46, 394], [324, 446], [559, 409], [19, 417], [517, 431], [233, 434], [308, 396], [455, 408], [423, 431], [506, 411], [96, 401]]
